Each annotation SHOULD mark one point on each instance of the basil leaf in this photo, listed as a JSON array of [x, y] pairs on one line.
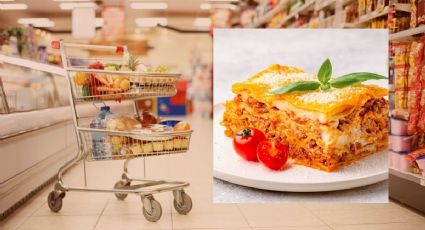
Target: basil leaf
[[325, 72], [297, 86], [354, 78]]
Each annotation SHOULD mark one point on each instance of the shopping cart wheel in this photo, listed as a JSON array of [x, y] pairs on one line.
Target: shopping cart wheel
[[118, 185], [151, 209], [54, 200], [185, 205]]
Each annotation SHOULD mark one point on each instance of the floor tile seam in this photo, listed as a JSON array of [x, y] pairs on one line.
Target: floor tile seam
[[244, 217], [101, 214]]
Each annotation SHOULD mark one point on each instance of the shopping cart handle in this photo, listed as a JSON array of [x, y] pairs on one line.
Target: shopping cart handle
[[119, 50], [55, 44]]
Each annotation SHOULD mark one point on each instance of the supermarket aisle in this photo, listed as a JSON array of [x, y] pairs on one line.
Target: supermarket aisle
[[104, 211]]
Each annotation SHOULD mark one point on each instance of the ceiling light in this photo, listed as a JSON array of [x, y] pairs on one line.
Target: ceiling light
[[151, 22], [149, 5], [72, 0], [13, 6], [32, 20], [222, 1], [36, 22], [99, 22], [202, 22], [72, 5], [205, 6], [209, 6]]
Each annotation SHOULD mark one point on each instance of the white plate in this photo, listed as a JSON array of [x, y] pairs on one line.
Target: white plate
[[230, 167]]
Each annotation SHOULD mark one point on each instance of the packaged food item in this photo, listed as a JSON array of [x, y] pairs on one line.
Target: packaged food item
[[122, 122], [400, 114], [380, 5], [148, 118], [147, 147], [398, 126], [158, 146], [413, 10], [404, 164], [411, 158], [398, 161], [181, 126], [420, 13], [185, 142], [413, 105], [400, 99], [169, 144], [420, 161], [421, 119], [414, 95], [136, 148], [400, 143], [369, 6], [177, 143], [361, 7]]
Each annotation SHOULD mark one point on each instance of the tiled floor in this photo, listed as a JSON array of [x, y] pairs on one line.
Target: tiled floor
[[103, 211]]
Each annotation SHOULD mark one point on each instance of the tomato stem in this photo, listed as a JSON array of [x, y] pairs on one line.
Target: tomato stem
[[244, 133]]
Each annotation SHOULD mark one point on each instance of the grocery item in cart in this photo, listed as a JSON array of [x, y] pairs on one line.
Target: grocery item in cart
[[122, 122], [148, 118]]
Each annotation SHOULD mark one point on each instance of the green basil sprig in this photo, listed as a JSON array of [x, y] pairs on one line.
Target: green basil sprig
[[325, 83], [297, 86]]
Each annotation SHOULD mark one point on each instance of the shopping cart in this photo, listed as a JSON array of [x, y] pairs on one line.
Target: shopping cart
[[84, 86]]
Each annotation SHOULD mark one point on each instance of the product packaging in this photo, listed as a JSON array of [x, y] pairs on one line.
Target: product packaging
[[420, 13]]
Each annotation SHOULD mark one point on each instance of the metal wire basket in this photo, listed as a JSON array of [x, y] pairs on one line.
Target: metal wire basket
[[104, 144], [101, 85]]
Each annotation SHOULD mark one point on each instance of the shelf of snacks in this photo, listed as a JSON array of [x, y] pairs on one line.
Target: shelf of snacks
[[303, 9], [407, 139], [360, 21], [268, 16], [407, 34], [27, 43], [323, 4]]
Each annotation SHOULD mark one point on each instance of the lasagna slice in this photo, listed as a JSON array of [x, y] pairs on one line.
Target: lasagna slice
[[324, 129]]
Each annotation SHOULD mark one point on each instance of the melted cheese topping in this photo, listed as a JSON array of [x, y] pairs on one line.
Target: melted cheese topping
[[322, 105]]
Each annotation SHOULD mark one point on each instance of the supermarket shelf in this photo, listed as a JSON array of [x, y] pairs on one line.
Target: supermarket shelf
[[366, 18], [302, 9], [408, 176], [324, 4], [405, 7], [269, 15], [407, 33]]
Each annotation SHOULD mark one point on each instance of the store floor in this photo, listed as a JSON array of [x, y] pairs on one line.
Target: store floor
[[103, 211]]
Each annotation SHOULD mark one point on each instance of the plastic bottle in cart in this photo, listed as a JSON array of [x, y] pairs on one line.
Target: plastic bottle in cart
[[105, 111], [97, 139], [101, 150]]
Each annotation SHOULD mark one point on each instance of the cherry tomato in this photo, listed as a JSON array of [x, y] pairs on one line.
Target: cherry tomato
[[273, 154], [245, 143]]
